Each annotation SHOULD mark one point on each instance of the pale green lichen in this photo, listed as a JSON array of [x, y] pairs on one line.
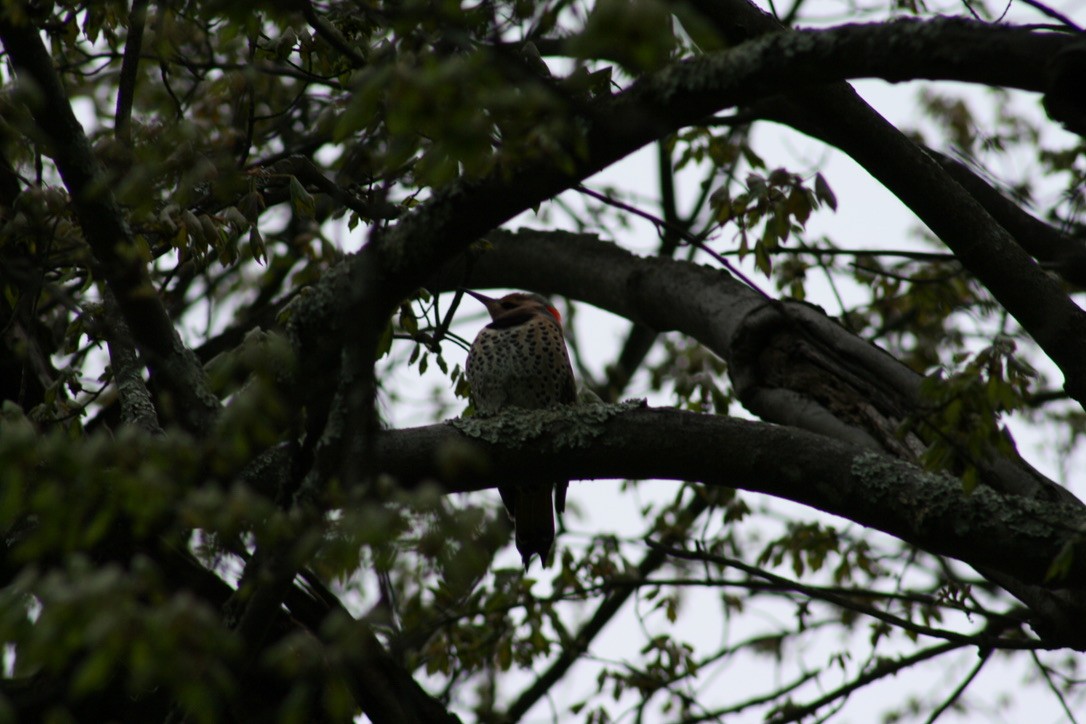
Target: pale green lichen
[[891, 479], [886, 472], [316, 306], [939, 499], [573, 426]]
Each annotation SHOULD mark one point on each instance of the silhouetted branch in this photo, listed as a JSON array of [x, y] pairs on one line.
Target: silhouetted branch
[[884, 668], [1017, 537], [107, 232]]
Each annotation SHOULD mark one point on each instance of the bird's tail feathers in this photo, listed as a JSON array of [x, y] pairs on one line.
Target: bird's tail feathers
[[534, 519]]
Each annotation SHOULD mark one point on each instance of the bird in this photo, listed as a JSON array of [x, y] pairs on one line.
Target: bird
[[519, 360]]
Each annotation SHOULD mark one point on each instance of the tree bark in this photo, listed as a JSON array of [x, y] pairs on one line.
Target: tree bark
[[1018, 537]]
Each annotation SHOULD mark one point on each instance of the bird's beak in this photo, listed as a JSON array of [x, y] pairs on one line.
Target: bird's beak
[[487, 301]]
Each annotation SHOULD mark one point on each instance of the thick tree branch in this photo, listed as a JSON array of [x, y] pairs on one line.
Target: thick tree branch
[[861, 397], [120, 257], [985, 248], [1059, 251], [788, 362], [137, 407], [126, 84], [690, 91], [1019, 537]]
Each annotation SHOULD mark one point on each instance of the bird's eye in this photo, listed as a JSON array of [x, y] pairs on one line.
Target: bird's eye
[[508, 305]]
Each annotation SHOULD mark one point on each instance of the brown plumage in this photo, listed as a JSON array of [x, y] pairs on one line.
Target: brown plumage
[[520, 360]]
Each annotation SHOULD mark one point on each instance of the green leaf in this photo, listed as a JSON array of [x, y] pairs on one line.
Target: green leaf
[[408, 321], [94, 672], [256, 245], [301, 200], [1060, 567], [384, 343], [970, 479], [824, 193]]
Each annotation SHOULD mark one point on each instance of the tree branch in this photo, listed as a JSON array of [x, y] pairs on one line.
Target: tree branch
[[956, 694], [842, 118], [137, 408], [1015, 536], [126, 83], [608, 607], [121, 258], [791, 713], [739, 325], [688, 92], [846, 602], [1061, 252], [844, 388]]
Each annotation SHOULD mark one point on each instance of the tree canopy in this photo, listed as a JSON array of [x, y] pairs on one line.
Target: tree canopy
[[240, 477]]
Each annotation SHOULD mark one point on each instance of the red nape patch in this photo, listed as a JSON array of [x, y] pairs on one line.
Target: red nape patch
[[554, 313]]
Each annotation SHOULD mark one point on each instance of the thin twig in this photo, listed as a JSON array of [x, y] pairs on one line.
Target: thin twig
[[983, 641], [603, 614], [985, 654], [331, 35], [881, 670], [1055, 689], [1052, 13], [126, 83], [903, 278], [689, 238], [915, 255], [753, 701]]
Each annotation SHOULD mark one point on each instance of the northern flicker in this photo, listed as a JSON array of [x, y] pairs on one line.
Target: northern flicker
[[520, 360]]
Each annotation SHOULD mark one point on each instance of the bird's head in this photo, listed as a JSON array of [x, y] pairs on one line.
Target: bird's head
[[517, 304]]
